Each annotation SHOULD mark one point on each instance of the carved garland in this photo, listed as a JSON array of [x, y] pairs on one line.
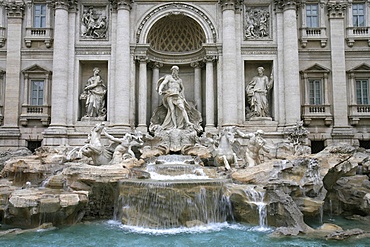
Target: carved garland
[[176, 6]]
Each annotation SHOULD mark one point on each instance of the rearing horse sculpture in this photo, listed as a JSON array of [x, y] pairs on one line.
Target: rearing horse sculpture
[[95, 149], [224, 154]]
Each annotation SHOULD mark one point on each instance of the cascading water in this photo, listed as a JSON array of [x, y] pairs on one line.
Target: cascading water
[[175, 167], [160, 205], [257, 197]]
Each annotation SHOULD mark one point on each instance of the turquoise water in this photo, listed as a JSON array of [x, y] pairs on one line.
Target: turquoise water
[[112, 233]]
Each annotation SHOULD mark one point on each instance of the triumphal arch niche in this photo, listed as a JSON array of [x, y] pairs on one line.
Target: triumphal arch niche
[[176, 34]]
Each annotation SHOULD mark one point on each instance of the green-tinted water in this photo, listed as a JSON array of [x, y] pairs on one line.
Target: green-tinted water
[[111, 233]]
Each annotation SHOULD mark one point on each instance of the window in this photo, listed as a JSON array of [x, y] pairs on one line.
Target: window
[[315, 92], [312, 15], [37, 92], [358, 15], [362, 92], [39, 16]]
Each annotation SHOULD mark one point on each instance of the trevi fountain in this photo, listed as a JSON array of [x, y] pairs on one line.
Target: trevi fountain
[[179, 185]]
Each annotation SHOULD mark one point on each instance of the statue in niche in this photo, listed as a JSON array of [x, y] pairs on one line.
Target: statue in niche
[[257, 23], [175, 121], [93, 24], [94, 94], [254, 147], [174, 112], [257, 91]]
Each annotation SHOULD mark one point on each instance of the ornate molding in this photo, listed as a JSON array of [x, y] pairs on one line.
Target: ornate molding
[[121, 4], [210, 58], [197, 64], [337, 9], [15, 9], [287, 4], [65, 4], [177, 7]]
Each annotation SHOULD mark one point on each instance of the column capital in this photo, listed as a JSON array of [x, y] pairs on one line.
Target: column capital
[[142, 58], [287, 4], [121, 4], [197, 64], [2, 73], [64, 4], [336, 9], [156, 65], [209, 59], [15, 9], [229, 4]]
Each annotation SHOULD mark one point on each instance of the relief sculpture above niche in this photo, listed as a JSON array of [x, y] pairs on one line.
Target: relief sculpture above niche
[[94, 22], [256, 23]]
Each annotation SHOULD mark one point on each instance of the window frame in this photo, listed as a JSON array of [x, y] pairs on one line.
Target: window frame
[[40, 94], [355, 23], [42, 16], [312, 92], [312, 16], [364, 96]]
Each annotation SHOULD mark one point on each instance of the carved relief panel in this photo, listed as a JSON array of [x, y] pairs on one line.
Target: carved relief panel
[[257, 24], [94, 22]]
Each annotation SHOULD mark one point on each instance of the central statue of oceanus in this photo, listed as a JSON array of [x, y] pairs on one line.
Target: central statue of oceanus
[[175, 121]]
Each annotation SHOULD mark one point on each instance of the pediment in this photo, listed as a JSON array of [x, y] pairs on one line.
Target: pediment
[[361, 68], [36, 69], [316, 68]]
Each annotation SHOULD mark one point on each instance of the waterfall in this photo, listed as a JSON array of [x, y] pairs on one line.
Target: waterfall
[[169, 204], [257, 197]]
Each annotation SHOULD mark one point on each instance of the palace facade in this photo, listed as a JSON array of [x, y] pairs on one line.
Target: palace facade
[[315, 54]]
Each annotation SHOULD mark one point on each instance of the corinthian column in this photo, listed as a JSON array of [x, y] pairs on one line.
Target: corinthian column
[[143, 95], [13, 63], [291, 61], [155, 99], [60, 66], [121, 115], [229, 79], [197, 85], [210, 97], [336, 12]]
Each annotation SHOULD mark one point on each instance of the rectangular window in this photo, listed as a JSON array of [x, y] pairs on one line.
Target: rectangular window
[[362, 92], [37, 92], [39, 15], [315, 92], [358, 15], [312, 15]]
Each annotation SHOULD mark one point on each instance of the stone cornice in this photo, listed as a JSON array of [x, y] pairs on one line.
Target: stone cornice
[[287, 4], [15, 9], [337, 9]]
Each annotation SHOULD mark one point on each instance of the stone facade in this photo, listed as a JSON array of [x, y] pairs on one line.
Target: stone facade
[[317, 53]]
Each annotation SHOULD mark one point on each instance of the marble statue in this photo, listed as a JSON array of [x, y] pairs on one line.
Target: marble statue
[[224, 153], [123, 149], [257, 91], [172, 89], [175, 121], [257, 23], [93, 25], [298, 137], [254, 147], [94, 94], [94, 148]]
